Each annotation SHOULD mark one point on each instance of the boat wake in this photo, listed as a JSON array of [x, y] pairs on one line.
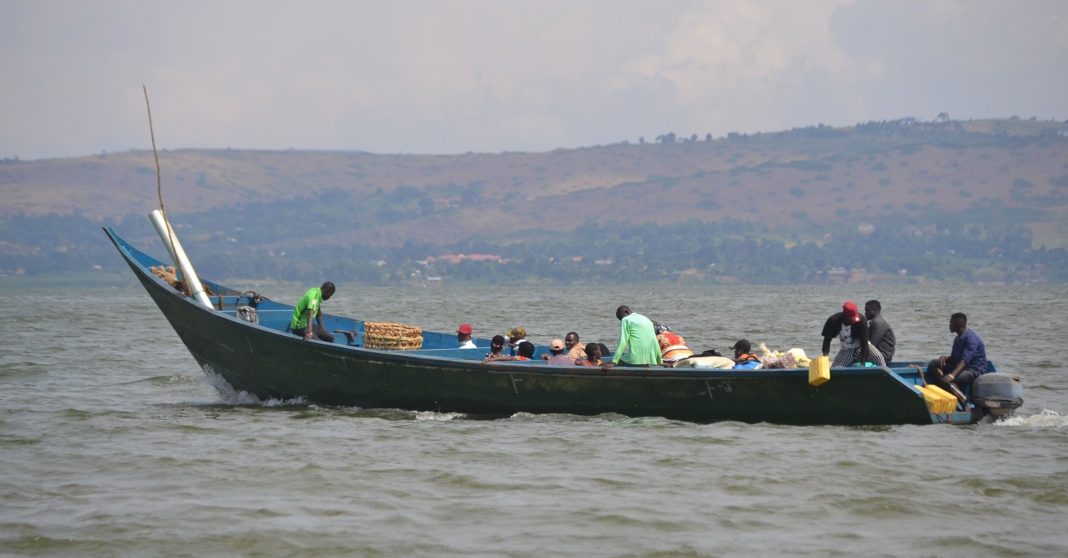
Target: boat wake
[[175, 379], [231, 396], [435, 416], [1045, 419]]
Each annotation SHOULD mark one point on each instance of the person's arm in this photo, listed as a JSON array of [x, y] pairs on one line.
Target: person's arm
[[957, 369], [624, 342], [830, 331], [960, 360], [308, 333], [954, 357]]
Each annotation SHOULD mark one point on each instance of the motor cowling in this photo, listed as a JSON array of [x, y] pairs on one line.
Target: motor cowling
[[999, 394]]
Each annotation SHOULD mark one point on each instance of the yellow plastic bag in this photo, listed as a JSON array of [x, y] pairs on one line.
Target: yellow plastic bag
[[819, 371]]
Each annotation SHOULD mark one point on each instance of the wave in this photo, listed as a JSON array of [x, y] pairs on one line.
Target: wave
[[1047, 418], [167, 380], [231, 396], [435, 416]]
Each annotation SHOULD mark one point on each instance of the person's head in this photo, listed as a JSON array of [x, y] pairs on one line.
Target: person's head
[[556, 346], [463, 332], [622, 312], [571, 339], [602, 349], [526, 349], [659, 328], [872, 308], [850, 315], [742, 347], [516, 334], [328, 290], [958, 323], [593, 352], [497, 344]]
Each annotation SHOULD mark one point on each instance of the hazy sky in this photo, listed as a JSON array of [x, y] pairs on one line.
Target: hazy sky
[[455, 76]]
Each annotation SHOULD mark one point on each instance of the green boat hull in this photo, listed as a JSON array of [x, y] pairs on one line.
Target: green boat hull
[[270, 363]]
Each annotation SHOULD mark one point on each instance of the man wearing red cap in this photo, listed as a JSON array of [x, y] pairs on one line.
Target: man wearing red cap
[[463, 336], [852, 332]]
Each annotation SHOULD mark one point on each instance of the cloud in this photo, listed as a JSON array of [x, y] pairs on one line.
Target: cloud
[[446, 77]]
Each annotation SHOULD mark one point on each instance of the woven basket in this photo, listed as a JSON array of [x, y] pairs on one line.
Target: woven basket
[[392, 336]]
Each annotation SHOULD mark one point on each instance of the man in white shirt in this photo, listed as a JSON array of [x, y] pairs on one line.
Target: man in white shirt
[[463, 336]]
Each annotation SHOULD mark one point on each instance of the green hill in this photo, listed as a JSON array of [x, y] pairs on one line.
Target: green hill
[[997, 188]]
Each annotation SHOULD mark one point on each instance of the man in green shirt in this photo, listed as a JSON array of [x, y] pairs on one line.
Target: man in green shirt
[[638, 336], [308, 307]]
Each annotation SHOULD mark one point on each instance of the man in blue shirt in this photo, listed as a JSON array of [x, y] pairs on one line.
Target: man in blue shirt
[[965, 363]]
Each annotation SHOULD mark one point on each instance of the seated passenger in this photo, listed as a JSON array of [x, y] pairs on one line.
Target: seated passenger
[[575, 350], [463, 336], [879, 332], [515, 336], [496, 350], [672, 346], [602, 349], [743, 359], [593, 355], [557, 357], [966, 361], [526, 351]]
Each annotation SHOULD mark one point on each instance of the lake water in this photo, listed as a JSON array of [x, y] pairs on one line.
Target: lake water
[[113, 442]]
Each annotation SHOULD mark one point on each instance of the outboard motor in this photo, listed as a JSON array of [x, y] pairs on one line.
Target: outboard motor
[[998, 394]]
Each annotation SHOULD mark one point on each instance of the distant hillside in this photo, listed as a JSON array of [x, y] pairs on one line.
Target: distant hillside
[[1001, 178]]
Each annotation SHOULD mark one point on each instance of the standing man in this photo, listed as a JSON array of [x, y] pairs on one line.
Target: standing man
[[966, 361], [853, 343], [636, 336], [463, 336], [308, 307], [879, 332]]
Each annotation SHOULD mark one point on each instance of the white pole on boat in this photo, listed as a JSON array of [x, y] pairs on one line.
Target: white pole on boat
[[170, 240]]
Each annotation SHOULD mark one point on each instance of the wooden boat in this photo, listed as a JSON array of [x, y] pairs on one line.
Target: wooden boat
[[266, 361]]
